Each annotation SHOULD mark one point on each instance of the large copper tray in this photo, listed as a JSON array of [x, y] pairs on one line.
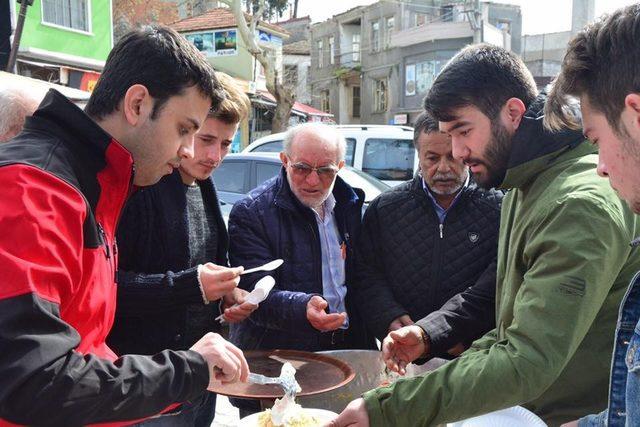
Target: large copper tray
[[316, 373]]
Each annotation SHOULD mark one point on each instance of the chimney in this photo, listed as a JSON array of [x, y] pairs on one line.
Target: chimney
[[582, 12]]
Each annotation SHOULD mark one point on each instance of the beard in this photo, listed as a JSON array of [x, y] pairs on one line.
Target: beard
[[455, 182], [631, 148], [312, 202], [496, 158]]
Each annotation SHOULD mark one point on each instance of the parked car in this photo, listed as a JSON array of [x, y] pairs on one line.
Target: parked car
[[241, 173], [384, 152]]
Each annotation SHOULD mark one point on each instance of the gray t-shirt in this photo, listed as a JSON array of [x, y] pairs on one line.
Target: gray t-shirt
[[203, 244], [202, 228]]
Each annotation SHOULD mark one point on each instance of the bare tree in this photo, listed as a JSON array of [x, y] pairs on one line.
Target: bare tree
[[266, 56]]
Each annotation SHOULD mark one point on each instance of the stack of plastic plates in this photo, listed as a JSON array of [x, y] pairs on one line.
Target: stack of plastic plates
[[516, 416]]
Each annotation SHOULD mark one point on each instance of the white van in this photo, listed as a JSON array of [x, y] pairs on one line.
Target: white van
[[383, 151]]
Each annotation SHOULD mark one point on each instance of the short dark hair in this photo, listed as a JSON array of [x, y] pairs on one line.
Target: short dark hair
[[424, 123], [603, 63], [483, 76], [158, 58]]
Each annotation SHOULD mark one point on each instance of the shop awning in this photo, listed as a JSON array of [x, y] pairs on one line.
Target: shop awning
[[298, 108]]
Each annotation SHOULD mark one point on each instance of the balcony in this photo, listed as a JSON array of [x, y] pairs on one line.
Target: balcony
[[430, 32]]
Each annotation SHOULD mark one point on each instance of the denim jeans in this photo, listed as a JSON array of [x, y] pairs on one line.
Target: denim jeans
[[624, 388], [197, 413]]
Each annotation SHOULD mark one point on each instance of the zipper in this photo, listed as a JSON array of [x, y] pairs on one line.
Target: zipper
[[133, 172], [316, 246], [442, 231], [105, 242]]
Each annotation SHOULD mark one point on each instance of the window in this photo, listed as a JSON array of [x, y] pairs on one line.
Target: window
[[332, 50], [291, 75], [351, 151], [426, 73], [390, 159], [446, 13], [380, 94], [67, 13], [320, 53], [355, 101], [265, 171], [269, 147], [419, 19], [355, 47], [390, 24], [504, 25], [324, 101], [230, 177], [375, 36]]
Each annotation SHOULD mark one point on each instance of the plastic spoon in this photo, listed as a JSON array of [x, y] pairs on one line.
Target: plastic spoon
[[258, 294], [287, 380], [270, 266]]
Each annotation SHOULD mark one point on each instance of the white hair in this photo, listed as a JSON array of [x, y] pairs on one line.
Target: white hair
[[16, 103], [326, 132]]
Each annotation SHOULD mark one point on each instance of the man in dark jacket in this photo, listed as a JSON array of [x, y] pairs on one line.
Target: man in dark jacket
[[65, 180], [173, 257], [425, 241], [307, 216]]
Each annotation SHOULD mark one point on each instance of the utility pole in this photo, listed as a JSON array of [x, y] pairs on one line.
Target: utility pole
[[11, 65], [477, 22]]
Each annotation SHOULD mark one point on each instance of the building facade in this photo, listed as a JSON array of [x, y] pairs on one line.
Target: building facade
[[374, 64], [543, 53], [63, 42]]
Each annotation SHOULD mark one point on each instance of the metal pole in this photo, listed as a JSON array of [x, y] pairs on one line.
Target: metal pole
[[11, 65], [477, 15]]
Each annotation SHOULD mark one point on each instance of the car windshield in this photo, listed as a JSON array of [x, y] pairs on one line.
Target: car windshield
[[387, 158], [371, 186]]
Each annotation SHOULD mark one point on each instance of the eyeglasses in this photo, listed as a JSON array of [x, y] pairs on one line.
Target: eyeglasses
[[324, 172]]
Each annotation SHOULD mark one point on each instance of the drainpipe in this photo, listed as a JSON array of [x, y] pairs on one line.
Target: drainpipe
[[11, 65]]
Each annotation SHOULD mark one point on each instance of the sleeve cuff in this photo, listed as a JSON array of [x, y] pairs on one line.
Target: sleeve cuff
[[374, 409], [204, 297]]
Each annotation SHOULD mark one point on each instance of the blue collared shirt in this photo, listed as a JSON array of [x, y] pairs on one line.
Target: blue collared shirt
[[440, 211], [333, 265]]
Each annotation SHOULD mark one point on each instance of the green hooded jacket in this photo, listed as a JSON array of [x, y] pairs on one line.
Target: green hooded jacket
[[564, 263]]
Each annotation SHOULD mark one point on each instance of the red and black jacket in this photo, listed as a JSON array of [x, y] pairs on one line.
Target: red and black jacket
[[64, 182]]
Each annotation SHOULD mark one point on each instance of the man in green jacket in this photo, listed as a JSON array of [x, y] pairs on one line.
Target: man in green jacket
[[563, 261]]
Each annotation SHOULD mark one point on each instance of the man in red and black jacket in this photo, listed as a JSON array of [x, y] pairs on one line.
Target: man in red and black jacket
[[65, 179]]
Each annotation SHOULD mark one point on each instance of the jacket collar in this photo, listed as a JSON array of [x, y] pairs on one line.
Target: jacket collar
[[343, 193], [103, 166], [66, 117], [535, 148]]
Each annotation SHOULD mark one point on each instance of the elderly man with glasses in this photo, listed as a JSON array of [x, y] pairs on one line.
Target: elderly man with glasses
[[308, 216]]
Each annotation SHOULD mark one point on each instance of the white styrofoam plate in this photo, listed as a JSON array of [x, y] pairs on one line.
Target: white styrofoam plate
[[321, 415], [516, 416]]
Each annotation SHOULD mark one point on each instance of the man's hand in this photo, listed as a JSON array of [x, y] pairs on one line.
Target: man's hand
[[226, 361], [354, 415], [319, 319], [570, 424], [218, 281], [235, 309], [402, 347], [399, 322]]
